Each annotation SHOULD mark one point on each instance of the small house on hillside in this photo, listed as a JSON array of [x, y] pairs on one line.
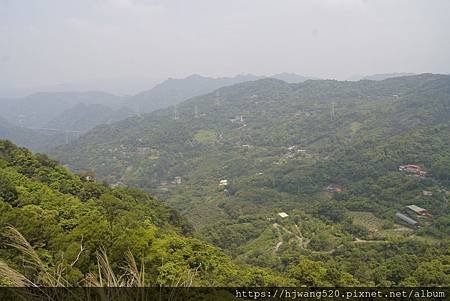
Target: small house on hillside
[[177, 180], [407, 219], [223, 182], [283, 214], [412, 169], [419, 210]]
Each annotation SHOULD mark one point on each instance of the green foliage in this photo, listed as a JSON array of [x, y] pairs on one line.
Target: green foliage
[[204, 136], [286, 154], [68, 219], [316, 274], [332, 212], [8, 191]]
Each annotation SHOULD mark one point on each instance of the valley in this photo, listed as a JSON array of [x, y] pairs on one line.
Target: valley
[[325, 152], [224, 150]]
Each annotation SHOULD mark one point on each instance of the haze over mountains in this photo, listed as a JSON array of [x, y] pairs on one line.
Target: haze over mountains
[[380, 76], [50, 118], [43, 120], [35, 140], [36, 110], [223, 145], [60, 113], [263, 172], [173, 91]]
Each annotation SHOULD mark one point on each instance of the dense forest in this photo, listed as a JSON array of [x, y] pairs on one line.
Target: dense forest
[[310, 180], [59, 229]]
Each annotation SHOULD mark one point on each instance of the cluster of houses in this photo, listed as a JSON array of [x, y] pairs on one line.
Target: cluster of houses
[[412, 170], [293, 151], [412, 213], [237, 119]]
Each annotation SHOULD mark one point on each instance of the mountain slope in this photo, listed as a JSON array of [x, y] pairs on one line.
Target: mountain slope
[[325, 152], [38, 109], [380, 76], [291, 77], [44, 120], [384, 76], [52, 114], [275, 115], [82, 117], [174, 91], [61, 213]]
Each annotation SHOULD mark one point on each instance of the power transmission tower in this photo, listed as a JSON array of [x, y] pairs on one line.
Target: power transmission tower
[[175, 113], [332, 110], [196, 111]]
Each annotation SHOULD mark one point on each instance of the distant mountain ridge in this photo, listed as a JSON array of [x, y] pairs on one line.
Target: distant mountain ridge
[[36, 110], [380, 76], [291, 78], [384, 76], [83, 117], [82, 111], [174, 91], [43, 108], [30, 138]]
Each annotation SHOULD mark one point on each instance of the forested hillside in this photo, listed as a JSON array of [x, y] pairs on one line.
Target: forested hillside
[[173, 91], [326, 153], [41, 121], [73, 227]]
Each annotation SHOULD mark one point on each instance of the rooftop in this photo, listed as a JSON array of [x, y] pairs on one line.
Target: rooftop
[[416, 208], [283, 214], [406, 219]]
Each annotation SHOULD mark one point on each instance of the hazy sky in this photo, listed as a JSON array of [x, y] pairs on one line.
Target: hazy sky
[[125, 45]]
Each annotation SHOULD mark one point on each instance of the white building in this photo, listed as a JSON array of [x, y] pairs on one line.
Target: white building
[[283, 214], [177, 180]]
